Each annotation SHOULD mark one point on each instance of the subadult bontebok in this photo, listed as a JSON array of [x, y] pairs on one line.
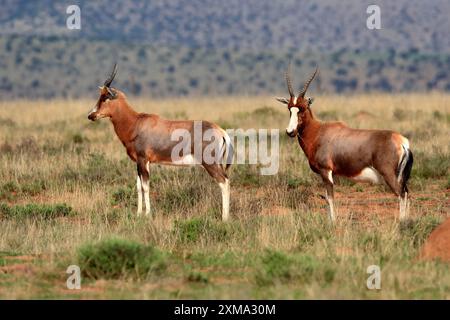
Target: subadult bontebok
[[334, 149], [150, 139]]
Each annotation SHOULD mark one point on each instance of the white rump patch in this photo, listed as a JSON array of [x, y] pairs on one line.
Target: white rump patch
[[368, 174], [405, 143], [293, 122]]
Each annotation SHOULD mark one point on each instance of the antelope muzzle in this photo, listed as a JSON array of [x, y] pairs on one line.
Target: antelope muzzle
[[292, 133], [92, 115]]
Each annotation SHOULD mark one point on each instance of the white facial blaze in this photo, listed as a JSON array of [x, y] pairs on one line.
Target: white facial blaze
[[94, 109], [293, 122]]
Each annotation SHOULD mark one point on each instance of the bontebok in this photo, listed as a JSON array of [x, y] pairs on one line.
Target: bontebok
[[332, 149], [149, 139]]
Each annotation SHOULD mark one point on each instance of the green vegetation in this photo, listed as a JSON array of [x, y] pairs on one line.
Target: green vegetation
[[35, 211], [117, 258], [193, 230], [435, 165]]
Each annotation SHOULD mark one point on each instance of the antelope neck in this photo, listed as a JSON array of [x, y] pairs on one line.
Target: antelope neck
[[124, 119], [308, 134]]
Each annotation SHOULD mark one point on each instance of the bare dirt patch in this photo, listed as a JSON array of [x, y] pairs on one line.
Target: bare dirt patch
[[375, 203]]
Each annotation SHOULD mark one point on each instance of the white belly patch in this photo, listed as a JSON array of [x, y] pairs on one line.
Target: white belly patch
[[368, 174], [187, 160]]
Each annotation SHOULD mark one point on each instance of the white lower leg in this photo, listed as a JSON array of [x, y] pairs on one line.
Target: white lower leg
[[146, 190], [404, 207], [331, 208], [225, 188], [139, 192]]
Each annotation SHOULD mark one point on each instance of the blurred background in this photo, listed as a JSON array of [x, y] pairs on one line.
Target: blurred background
[[214, 48]]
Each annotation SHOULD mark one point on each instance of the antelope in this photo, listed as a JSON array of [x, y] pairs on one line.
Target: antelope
[[334, 149], [149, 139]]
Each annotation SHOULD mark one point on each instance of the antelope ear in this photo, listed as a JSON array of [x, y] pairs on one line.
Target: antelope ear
[[310, 101], [282, 100]]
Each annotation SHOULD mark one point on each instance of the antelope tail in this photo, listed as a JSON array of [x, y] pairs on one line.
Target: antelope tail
[[227, 151], [404, 168]]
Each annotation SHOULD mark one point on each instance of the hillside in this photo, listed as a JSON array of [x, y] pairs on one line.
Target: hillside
[[176, 47]]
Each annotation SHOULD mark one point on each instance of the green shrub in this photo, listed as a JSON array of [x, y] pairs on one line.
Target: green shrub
[[118, 258], [193, 230], [37, 211], [278, 267]]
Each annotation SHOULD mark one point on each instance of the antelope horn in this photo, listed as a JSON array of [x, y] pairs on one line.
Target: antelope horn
[[111, 77], [287, 75], [305, 87]]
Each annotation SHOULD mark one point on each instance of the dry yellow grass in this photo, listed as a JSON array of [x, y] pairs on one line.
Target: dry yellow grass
[[83, 164]]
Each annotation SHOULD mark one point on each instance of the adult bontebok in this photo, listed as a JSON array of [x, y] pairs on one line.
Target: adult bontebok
[[149, 139], [333, 149]]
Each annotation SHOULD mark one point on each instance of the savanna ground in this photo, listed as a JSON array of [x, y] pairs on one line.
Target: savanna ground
[[67, 196]]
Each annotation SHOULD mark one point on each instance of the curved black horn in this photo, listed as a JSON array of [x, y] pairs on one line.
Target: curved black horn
[[287, 75], [305, 87], [111, 77]]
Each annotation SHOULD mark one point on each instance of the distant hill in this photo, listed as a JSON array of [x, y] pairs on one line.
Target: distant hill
[[177, 47]]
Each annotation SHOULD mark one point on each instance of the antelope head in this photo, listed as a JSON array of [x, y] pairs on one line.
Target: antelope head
[[297, 105], [107, 99]]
